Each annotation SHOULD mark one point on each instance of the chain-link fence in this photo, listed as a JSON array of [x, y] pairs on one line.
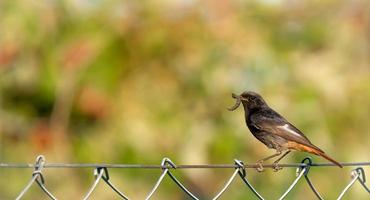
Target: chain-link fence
[[102, 175]]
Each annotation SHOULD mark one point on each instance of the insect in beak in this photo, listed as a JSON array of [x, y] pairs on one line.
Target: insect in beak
[[237, 103]]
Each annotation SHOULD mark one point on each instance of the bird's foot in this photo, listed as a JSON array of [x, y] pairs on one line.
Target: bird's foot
[[276, 167], [260, 166]]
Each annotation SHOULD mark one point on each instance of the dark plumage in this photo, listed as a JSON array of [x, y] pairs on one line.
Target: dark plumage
[[273, 130]]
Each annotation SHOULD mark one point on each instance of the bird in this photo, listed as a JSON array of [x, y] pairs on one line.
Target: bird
[[273, 130]]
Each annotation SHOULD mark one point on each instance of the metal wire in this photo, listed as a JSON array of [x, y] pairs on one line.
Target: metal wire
[[36, 175], [47, 192], [313, 188], [21, 194], [167, 161], [101, 173], [308, 167], [362, 178], [105, 177], [242, 173], [357, 174], [201, 166], [98, 175], [166, 165], [226, 185], [157, 184], [294, 183]]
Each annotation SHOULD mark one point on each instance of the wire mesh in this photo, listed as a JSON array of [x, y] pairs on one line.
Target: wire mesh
[[38, 178], [101, 174]]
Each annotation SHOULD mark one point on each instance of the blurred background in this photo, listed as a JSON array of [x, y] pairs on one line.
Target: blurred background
[[135, 81]]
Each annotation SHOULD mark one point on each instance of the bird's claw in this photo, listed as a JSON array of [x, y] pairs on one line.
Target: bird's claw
[[260, 166], [276, 167]]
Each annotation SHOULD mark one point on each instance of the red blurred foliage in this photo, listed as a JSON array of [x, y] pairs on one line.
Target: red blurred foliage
[[77, 54], [8, 53], [41, 135], [93, 103]]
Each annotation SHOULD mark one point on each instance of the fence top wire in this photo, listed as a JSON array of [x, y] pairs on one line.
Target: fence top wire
[[101, 173], [198, 166]]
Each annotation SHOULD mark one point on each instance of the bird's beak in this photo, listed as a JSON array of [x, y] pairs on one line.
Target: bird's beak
[[239, 97], [235, 96]]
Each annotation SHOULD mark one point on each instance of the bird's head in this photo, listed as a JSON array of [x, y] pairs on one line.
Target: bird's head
[[249, 100]]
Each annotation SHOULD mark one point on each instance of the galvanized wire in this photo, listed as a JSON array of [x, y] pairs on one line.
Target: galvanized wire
[[36, 175], [106, 179], [101, 173], [226, 185], [356, 174], [293, 184], [98, 176], [313, 187], [157, 184], [200, 166], [167, 161], [242, 173]]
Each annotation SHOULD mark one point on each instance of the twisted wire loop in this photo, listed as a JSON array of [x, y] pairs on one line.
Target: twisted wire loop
[[98, 176], [300, 172], [242, 173], [168, 162], [356, 174], [101, 173], [204, 166], [165, 169], [37, 177], [362, 178], [308, 167], [240, 170], [106, 179], [227, 183]]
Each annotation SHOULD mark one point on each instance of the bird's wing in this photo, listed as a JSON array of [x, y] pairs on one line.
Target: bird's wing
[[271, 122]]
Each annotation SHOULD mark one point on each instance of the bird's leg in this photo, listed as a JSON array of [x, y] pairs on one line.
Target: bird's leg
[[259, 162], [276, 167]]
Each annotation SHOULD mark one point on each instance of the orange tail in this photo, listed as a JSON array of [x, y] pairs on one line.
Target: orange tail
[[315, 150], [330, 159]]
